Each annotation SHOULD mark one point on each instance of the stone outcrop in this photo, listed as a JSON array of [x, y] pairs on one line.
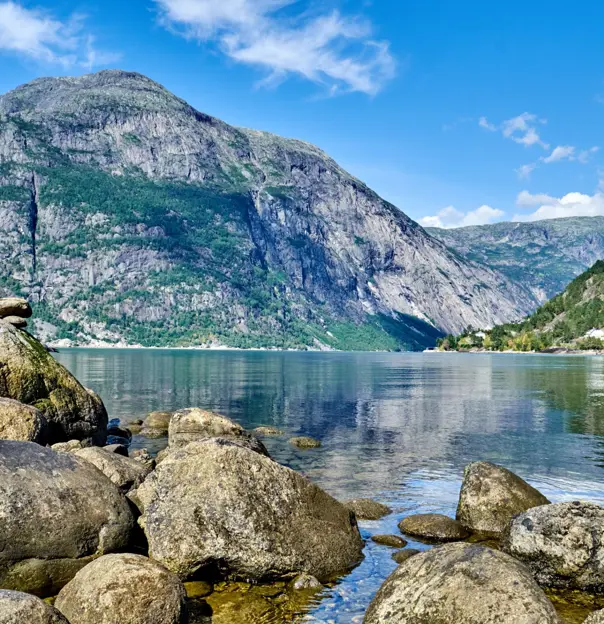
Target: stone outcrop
[[562, 544], [56, 513], [22, 422], [20, 608], [461, 584], [129, 589], [491, 495], [32, 376], [215, 505]]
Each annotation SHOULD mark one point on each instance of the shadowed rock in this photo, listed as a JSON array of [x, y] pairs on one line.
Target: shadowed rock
[[16, 321], [367, 509], [15, 306], [20, 608], [394, 541], [400, 556]]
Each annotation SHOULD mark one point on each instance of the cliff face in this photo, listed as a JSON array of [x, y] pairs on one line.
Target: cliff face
[[129, 215], [544, 255]]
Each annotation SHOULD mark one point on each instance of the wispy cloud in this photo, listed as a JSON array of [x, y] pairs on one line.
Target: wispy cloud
[[37, 35], [450, 217], [332, 49], [570, 205], [524, 171]]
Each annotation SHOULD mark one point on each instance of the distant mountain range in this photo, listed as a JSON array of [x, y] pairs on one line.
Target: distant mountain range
[[129, 217]]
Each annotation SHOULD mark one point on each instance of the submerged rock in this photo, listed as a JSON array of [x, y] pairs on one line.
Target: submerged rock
[[56, 512], [304, 582], [368, 509], [128, 589], [305, 442], [402, 555], [394, 541], [22, 422], [268, 431], [562, 544], [214, 504], [433, 528], [20, 608], [461, 584], [14, 306], [491, 495], [31, 375], [124, 472]]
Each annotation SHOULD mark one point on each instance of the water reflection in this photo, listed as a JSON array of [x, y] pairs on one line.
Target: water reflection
[[398, 427]]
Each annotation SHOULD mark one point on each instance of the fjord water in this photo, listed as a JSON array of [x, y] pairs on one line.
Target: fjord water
[[395, 427]]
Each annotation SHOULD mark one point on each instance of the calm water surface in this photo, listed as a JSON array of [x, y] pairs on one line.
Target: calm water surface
[[396, 427]]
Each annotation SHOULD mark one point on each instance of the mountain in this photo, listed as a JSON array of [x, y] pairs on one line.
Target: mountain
[[572, 319], [130, 217], [544, 256]]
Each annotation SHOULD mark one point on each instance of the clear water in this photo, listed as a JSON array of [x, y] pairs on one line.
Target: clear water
[[395, 427]]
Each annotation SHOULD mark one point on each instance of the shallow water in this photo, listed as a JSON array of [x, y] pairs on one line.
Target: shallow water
[[396, 427]]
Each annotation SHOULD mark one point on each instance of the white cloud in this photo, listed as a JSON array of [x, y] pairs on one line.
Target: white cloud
[[521, 129], [483, 122], [524, 171], [570, 205], [584, 155], [329, 49], [450, 217], [562, 152], [35, 34]]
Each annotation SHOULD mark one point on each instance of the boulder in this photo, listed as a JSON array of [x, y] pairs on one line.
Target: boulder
[[216, 505], [304, 582], [394, 541], [117, 434], [14, 306], [124, 472], [118, 449], [400, 556], [16, 321], [597, 617], [433, 528], [31, 375], [144, 457], [194, 424], [67, 447], [57, 511], [367, 509], [19, 608], [461, 584], [156, 425], [562, 544], [304, 442], [129, 589], [491, 495], [22, 422]]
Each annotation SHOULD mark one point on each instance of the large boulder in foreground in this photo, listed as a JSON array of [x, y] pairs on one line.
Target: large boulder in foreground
[[216, 504], [32, 376], [22, 422], [20, 608], [562, 544], [56, 512], [129, 589], [460, 584], [491, 496], [194, 424]]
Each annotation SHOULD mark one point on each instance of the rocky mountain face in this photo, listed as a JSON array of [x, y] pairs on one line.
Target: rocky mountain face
[[130, 217], [544, 256]]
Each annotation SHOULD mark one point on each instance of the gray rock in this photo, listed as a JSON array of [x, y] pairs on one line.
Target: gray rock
[[144, 457], [562, 544], [14, 306], [56, 512], [400, 556], [215, 504], [156, 425], [31, 375], [15, 321], [394, 541], [128, 589], [305, 442], [124, 472], [461, 584], [433, 528], [595, 618], [304, 582], [67, 447], [21, 608], [491, 495], [22, 422], [118, 449], [268, 431], [368, 509], [194, 424]]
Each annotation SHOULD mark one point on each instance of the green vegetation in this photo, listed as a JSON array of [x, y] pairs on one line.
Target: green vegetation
[[561, 322]]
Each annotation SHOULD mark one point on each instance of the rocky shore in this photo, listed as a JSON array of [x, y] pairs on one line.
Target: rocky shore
[[213, 530]]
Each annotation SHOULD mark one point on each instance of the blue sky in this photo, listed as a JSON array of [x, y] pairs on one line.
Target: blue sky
[[457, 112]]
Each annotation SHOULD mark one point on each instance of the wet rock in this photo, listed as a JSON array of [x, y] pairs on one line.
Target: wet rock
[[124, 472], [14, 306], [117, 434], [304, 442], [216, 504], [595, 618], [67, 447], [194, 424], [394, 541], [156, 425], [56, 512], [491, 495], [20, 608], [22, 422], [198, 589], [268, 431], [128, 589], [304, 582], [16, 321], [400, 556], [368, 509], [30, 375], [433, 528], [461, 584], [562, 544], [118, 449]]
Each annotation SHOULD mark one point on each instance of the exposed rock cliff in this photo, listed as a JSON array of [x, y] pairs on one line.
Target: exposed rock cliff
[[134, 217]]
